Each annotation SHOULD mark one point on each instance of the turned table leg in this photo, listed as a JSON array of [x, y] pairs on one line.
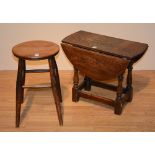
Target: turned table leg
[[129, 89], [19, 89], [118, 101], [55, 91], [87, 81], [75, 96]]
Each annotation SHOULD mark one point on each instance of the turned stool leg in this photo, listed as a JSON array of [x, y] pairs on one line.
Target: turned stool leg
[[55, 90], [118, 101], [56, 74], [75, 96], [87, 83], [129, 89], [19, 90]]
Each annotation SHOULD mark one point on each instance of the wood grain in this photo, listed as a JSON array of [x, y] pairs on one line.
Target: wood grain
[[39, 112], [35, 50], [95, 65], [106, 44]]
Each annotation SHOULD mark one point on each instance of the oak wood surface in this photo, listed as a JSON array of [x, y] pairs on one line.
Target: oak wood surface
[[108, 45], [39, 112], [100, 58], [35, 50], [95, 65]]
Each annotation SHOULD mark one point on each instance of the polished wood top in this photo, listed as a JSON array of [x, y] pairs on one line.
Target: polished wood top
[[108, 45], [35, 50], [97, 66]]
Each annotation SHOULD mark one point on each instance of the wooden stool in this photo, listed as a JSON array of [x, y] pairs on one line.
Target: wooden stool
[[37, 50]]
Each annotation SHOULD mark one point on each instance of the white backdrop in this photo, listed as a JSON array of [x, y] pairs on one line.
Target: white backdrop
[[12, 34]]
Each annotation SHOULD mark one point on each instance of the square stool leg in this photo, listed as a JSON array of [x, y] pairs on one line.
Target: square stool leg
[[19, 89], [54, 84]]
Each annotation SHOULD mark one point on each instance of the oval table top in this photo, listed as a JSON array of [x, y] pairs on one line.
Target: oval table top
[[35, 50], [122, 48]]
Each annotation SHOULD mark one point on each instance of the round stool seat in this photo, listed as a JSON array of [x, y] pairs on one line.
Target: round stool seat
[[35, 50]]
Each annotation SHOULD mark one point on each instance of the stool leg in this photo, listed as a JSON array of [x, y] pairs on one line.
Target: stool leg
[[75, 96], [57, 78], [87, 83], [23, 80], [55, 90], [118, 101], [19, 91]]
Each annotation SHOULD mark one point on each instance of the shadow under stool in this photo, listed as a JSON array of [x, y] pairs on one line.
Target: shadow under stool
[[37, 50]]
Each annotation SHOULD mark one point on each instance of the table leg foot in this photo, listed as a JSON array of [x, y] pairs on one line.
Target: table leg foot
[[75, 96], [87, 83], [129, 88], [118, 101], [129, 95]]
